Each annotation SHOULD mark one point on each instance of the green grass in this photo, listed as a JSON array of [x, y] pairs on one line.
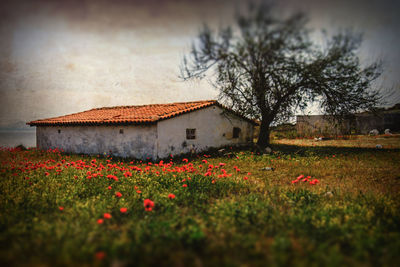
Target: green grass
[[214, 221]]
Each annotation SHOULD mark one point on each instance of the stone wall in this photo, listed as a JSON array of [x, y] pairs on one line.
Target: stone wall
[[360, 124], [320, 125]]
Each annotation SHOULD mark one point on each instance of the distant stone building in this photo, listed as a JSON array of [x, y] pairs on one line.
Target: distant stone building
[[361, 123], [147, 131]]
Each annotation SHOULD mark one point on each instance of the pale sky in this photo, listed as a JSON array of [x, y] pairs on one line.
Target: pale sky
[[62, 57]]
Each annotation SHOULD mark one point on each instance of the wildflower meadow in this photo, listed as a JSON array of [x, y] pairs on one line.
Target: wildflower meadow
[[302, 205]]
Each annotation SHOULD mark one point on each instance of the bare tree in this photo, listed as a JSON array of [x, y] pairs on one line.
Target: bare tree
[[267, 68]]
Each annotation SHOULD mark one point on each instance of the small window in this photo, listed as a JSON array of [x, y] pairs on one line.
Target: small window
[[236, 132], [121, 131], [190, 133], [59, 131]]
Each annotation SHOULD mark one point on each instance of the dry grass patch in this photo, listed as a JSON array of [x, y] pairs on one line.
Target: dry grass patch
[[361, 141]]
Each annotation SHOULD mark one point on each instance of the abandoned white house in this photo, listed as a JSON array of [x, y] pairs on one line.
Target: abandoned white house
[[147, 131]]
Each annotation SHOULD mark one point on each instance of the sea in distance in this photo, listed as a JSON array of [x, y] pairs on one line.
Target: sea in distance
[[10, 138]]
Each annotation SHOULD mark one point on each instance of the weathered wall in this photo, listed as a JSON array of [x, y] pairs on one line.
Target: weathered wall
[[361, 124], [364, 123], [317, 124], [392, 120], [135, 141], [214, 128]]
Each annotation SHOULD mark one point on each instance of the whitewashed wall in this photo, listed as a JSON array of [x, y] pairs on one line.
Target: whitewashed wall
[[136, 141], [214, 128]]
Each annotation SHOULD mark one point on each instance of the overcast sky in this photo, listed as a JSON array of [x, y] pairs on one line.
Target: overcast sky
[[61, 57]]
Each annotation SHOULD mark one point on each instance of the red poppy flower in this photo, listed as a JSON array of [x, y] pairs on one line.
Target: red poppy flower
[[61, 208], [148, 204], [100, 255], [171, 196], [245, 178], [107, 216], [100, 221], [118, 194], [46, 173], [138, 191], [128, 174], [110, 176], [123, 210], [184, 185]]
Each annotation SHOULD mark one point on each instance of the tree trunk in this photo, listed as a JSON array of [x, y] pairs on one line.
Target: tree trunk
[[263, 137]]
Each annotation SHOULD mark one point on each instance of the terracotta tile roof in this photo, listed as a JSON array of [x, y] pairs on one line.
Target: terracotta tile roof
[[126, 114]]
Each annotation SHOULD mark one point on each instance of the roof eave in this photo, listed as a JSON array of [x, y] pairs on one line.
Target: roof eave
[[91, 123]]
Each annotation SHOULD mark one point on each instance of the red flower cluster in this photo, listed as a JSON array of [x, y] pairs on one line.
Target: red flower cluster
[[298, 179], [110, 176], [113, 172], [127, 174], [148, 204], [305, 179]]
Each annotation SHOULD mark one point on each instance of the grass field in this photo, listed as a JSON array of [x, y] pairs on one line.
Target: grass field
[[330, 203]]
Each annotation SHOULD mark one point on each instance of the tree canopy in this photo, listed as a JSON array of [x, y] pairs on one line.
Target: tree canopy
[[267, 67]]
